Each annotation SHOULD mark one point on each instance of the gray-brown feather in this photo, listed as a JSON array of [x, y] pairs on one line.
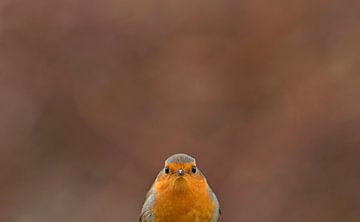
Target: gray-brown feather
[[146, 214], [180, 158]]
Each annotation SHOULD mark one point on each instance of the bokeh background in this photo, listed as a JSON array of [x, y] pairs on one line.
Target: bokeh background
[[95, 95]]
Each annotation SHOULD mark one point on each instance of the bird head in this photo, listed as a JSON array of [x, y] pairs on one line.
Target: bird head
[[180, 165], [180, 170]]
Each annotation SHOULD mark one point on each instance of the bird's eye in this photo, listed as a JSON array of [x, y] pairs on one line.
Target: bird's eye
[[167, 171], [193, 169]]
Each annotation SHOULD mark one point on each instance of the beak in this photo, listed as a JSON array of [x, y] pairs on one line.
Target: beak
[[181, 172]]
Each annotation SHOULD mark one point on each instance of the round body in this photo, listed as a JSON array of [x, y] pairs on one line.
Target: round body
[[180, 193]]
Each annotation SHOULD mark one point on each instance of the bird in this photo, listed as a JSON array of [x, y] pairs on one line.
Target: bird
[[180, 193]]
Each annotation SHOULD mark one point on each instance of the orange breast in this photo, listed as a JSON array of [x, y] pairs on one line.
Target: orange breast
[[183, 200]]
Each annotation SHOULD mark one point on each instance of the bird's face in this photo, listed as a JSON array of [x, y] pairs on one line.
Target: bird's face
[[180, 172], [180, 176], [180, 169]]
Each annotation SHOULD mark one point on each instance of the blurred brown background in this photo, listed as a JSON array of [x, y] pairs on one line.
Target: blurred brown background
[[96, 94]]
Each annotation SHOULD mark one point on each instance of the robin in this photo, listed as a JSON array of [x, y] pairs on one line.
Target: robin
[[180, 193]]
